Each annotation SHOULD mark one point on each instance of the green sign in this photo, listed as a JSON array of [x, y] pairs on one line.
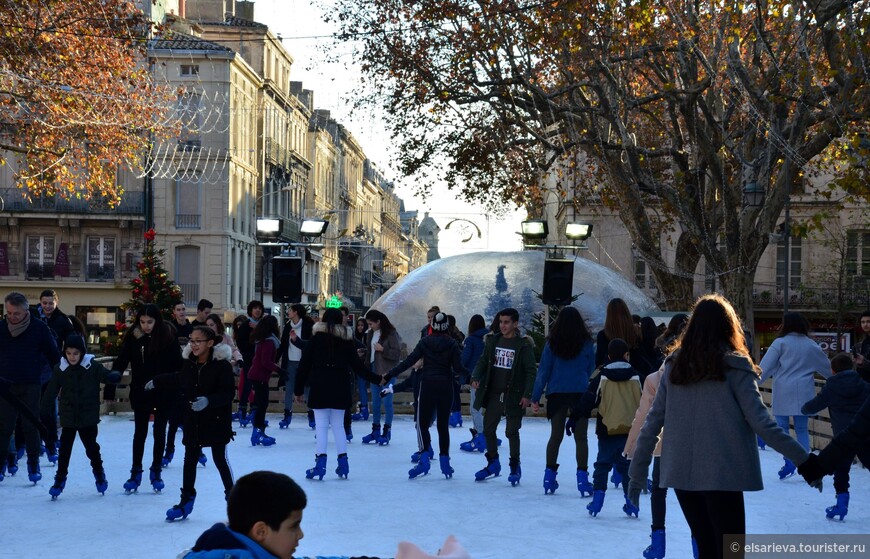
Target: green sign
[[333, 303]]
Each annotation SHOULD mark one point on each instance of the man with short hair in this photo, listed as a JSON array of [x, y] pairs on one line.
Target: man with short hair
[[503, 380], [48, 312], [426, 330], [203, 309], [60, 327], [28, 353]]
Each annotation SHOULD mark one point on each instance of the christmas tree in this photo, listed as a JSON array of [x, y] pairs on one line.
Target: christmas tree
[[151, 286]]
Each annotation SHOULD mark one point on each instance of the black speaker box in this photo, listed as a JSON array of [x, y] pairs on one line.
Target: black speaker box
[[286, 279], [558, 282]]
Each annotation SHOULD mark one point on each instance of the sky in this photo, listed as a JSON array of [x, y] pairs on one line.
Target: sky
[[378, 506], [306, 35]]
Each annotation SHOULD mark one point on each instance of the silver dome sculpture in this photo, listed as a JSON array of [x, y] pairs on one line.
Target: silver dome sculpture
[[485, 282]]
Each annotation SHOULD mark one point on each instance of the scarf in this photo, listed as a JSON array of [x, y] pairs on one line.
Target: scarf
[[17, 329]]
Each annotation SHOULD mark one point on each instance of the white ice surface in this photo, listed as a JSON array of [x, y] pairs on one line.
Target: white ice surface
[[378, 505]]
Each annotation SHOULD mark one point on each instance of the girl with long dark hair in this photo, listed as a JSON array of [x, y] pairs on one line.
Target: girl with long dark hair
[[326, 363], [566, 363], [149, 348], [618, 323], [471, 352], [708, 398], [793, 360], [382, 351], [207, 385], [264, 338]]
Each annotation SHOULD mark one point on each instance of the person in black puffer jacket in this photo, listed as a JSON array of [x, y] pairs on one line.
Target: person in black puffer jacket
[[207, 383], [442, 367]]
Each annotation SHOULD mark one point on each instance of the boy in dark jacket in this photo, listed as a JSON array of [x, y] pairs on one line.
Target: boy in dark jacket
[[616, 392], [78, 377], [843, 394]]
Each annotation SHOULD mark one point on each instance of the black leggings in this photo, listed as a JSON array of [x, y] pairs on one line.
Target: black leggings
[[557, 433], [658, 498], [191, 459], [88, 436], [435, 397], [141, 418], [711, 515], [261, 402]]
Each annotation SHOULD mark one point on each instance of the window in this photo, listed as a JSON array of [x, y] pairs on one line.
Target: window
[[101, 258], [858, 255], [643, 277], [189, 113], [794, 264], [188, 191], [190, 69], [187, 273], [40, 257]]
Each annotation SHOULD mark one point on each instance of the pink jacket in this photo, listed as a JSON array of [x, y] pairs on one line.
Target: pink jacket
[[650, 385]]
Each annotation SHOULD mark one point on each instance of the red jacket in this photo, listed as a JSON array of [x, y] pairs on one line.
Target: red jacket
[[263, 364]]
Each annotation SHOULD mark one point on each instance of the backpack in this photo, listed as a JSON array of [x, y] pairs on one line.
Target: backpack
[[617, 403]]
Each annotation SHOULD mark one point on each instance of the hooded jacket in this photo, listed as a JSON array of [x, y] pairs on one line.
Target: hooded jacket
[[59, 323], [792, 361], [29, 357], [441, 359], [618, 371], [79, 388], [219, 542], [329, 362], [843, 394], [214, 379]]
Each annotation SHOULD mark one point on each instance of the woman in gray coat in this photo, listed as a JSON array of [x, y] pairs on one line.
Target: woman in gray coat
[[792, 360], [709, 404]]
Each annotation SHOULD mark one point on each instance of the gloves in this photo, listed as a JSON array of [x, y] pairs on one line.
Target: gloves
[[199, 404], [634, 489], [812, 471], [149, 385], [570, 424], [388, 389]]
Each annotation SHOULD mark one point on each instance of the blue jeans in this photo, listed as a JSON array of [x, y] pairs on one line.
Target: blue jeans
[[363, 395], [376, 404], [801, 428], [610, 456]]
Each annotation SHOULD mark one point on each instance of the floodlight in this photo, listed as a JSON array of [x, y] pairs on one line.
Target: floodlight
[[534, 229], [578, 231], [313, 227], [269, 227]]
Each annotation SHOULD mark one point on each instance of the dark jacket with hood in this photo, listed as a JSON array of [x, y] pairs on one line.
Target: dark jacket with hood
[[843, 394], [441, 359], [219, 542], [214, 379], [473, 348], [79, 388], [521, 378], [145, 365], [618, 371], [307, 330], [328, 364]]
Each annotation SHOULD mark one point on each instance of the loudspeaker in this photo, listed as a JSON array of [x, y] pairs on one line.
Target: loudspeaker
[[286, 279], [558, 282]]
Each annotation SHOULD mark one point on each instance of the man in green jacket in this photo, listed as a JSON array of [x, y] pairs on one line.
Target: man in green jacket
[[503, 381]]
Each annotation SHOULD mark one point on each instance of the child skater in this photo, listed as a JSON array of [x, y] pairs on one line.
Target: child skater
[[843, 394], [77, 377], [206, 380]]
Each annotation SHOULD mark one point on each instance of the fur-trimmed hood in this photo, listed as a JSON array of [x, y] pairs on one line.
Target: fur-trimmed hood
[[339, 331], [220, 351]]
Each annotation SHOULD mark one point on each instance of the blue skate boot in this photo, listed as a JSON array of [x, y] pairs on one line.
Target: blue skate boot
[[550, 483], [384, 439], [415, 457], [597, 502], [492, 469], [156, 481], [516, 473], [630, 509], [455, 419], [57, 488], [656, 549], [374, 435], [132, 484], [285, 423], [421, 468], [616, 479], [446, 468], [183, 509], [343, 469], [319, 469], [33, 473], [100, 481], [840, 509], [583, 485], [788, 469]]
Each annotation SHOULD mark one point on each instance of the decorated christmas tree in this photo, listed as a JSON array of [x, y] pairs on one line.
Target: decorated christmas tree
[[151, 286]]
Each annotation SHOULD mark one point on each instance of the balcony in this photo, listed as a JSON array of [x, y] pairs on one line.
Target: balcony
[[40, 272], [804, 297], [132, 203], [101, 273], [187, 221]]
